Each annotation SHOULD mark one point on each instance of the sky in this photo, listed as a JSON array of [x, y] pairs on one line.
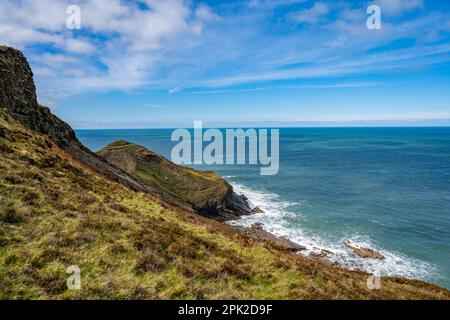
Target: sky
[[168, 63]]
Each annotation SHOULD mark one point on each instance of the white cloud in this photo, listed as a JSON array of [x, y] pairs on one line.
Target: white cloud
[[48, 15], [16, 35], [105, 15], [270, 4], [375, 62], [78, 46], [344, 85], [398, 7], [164, 44], [205, 13], [31, 21], [312, 15], [51, 58], [132, 36], [379, 117]]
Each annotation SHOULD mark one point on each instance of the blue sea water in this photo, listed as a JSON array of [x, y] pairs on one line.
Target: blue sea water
[[385, 188]]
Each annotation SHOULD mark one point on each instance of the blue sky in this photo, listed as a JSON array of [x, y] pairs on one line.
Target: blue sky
[[166, 63]]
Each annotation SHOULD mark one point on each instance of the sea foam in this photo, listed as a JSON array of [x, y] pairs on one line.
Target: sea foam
[[275, 219]]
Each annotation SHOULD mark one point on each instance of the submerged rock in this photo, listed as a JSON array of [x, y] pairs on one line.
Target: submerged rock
[[365, 253]]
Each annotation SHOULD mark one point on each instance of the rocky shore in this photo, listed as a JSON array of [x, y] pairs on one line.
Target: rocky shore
[[259, 234]]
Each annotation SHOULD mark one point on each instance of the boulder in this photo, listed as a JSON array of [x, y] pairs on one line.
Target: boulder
[[257, 233], [257, 210], [365, 253]]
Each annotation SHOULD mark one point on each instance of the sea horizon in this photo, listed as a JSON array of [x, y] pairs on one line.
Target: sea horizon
[[261, 127]]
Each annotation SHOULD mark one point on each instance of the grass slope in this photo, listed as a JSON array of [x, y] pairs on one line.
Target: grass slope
[[56, 212]]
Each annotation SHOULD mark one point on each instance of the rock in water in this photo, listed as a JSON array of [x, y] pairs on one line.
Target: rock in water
[[366, 253], [257, 210]]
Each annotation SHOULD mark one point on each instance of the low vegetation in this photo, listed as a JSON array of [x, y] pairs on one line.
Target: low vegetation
[[56, 212]]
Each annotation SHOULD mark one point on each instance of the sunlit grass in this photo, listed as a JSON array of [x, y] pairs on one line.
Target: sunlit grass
[[56, 212]]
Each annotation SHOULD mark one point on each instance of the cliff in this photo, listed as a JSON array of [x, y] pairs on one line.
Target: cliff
[[18, 96], [62, 206], [204, 191]]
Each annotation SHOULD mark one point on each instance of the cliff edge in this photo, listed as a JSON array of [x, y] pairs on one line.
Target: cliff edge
[[18, 96], [204, 191]]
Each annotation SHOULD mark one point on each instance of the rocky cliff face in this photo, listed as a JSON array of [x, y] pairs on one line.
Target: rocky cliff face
[[204, 191], [213, 197], [18, 96], [16, 82]]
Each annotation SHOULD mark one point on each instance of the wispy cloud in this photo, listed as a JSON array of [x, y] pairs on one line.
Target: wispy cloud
[[270, 4], [313, 14], [286, 87], [178, 45], [117, 46], [399, 7]]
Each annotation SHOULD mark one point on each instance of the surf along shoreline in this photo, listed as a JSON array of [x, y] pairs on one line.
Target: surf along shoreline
[[257, 232], [350, 254]]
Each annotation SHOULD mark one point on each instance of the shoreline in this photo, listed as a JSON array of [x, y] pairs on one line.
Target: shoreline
[[260, 234], [351, 254]]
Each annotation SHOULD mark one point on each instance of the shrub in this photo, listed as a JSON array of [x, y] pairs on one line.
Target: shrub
[[10, 215], [118, 207], [29, 196], [52, 281], [150, 261]]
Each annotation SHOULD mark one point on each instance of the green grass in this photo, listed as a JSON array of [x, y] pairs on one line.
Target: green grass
[[200, 189], [56, 212]]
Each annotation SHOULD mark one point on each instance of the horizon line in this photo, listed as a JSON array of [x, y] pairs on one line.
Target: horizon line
[[409, 123], [265, 127]]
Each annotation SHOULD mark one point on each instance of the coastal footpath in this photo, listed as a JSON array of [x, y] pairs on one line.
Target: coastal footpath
[[133, 233]]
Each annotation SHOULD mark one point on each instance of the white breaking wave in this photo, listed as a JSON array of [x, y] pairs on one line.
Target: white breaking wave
[[275, 220]]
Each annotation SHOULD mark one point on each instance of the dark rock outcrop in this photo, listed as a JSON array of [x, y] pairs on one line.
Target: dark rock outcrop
[[18, 96]]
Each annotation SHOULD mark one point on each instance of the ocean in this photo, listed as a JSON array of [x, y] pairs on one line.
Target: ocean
[[383, 188]]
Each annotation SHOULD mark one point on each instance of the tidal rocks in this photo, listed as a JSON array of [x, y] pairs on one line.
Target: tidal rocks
[[257, 210], [323, 253], [257, 233], [323, 256], [365, 253], [238, 203]]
